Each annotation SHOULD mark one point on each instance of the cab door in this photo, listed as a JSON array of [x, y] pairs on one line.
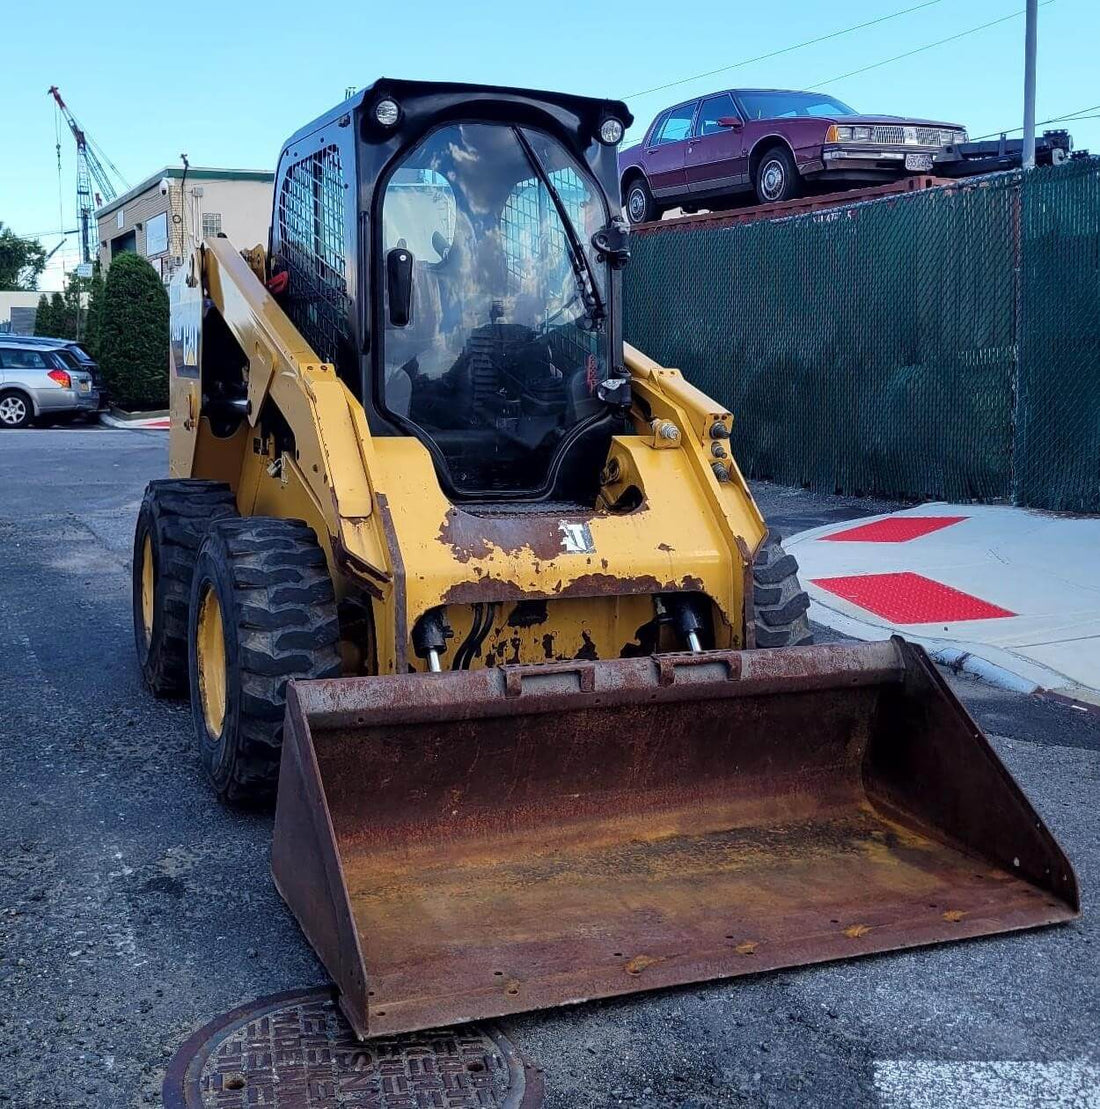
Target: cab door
[[667, 149], [716, 157]]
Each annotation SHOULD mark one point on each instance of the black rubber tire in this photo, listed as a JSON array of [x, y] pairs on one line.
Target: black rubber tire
[[175, 514], [779, 601], [13, 421], [280, 622], [791, 182], [644, 208]]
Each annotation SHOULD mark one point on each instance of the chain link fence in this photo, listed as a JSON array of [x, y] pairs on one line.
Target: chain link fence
[[941, 344]]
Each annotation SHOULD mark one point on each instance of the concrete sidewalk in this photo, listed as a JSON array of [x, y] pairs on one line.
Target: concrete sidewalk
[[1009, 593]]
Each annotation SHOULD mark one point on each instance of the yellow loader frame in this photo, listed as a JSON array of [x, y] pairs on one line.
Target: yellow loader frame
[[375, 502]]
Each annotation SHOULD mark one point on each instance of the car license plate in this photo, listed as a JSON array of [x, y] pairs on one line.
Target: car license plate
[[84, 386], [921, 163]]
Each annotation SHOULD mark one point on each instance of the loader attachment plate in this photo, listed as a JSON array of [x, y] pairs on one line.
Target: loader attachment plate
[[471, 844]]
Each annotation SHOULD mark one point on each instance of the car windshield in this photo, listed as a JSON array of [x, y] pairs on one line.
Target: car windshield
[[780, 105], [506, 339]]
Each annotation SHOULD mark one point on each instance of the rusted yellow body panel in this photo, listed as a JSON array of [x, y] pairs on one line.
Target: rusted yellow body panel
[[389, 530]]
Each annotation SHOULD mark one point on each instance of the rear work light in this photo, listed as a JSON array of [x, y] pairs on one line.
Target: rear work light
[[61, 377]]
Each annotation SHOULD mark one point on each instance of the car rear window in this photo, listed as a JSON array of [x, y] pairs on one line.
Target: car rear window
[[70, 359], [781, 105], [22, 360]]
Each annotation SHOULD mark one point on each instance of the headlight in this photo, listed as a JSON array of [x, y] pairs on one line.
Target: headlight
[[962, 136], [843, 134], [387, 112], [861, 134], [611, 132]]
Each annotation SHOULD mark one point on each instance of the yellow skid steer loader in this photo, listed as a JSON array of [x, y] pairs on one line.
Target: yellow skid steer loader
[[480, 593]]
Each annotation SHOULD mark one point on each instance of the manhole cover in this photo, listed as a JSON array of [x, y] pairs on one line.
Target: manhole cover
[[296, 1051]]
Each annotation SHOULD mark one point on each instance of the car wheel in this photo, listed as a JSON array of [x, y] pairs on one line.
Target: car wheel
[[15, 410], [776, 176], [640, 207]]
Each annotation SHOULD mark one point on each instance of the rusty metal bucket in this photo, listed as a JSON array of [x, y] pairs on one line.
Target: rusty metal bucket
[[469, 844]]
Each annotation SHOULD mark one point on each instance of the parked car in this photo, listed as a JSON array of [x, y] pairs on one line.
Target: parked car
[[42, 383], [75, 350], [705, 151]]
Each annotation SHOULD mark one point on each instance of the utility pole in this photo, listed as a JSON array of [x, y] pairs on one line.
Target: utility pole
[[1030, 33]]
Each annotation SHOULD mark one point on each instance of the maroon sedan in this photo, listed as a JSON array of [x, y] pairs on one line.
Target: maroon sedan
[[704, 151]]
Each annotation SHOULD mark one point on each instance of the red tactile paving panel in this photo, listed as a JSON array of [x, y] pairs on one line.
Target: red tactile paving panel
[[895, 529], [908, 598]]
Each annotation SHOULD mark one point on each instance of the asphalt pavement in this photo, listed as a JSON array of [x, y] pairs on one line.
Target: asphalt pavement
[[134, 908]]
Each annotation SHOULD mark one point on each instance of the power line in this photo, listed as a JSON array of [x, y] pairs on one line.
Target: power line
[[926, 46], [1069, 117], [789, 49]]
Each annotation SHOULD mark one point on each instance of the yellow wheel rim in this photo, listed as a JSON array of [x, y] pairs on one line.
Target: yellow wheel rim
[[147, 586], [210, 652]]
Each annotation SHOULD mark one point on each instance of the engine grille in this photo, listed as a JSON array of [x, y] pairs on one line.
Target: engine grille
[[892, 134]]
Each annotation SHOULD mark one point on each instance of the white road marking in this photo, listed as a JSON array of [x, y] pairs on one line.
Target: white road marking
[[1000, 1084]]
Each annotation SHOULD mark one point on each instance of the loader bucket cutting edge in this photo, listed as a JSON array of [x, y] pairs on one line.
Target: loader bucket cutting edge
[[470, 844]]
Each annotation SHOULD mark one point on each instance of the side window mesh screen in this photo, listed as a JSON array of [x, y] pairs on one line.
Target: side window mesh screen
[[311, 227]]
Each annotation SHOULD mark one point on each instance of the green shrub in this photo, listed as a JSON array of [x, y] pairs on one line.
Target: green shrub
[[93, 323], [133, 334], [64, 313], [43, 317]]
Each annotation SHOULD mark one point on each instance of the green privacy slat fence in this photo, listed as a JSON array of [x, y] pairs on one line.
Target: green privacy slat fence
[[874, 348], [1058, 409]]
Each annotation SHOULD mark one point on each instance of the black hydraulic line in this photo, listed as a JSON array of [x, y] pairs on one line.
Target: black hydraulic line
[[490, 614], [464, 654]]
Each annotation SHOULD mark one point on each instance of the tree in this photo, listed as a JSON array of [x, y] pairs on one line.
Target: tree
[[60, 320], [133, 338], [21, 260], [76, 308], [93, 323], [43, 317]]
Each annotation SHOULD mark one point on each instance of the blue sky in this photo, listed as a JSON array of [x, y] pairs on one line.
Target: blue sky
[[227, 82]]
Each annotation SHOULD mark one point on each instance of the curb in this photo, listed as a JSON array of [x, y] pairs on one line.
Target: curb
[[139, 423], [961, 657]]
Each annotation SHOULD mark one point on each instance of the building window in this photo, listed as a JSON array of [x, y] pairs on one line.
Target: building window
[[311, 230], [211, 224], [156, 235]]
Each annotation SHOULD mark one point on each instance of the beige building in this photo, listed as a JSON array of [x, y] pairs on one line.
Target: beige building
[[17, 311], [167, 212]]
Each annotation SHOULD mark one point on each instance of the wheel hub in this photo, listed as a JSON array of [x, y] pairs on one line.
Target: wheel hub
[[636, 204], [12, 410], [772, 179], [147, 586], [210, 653]]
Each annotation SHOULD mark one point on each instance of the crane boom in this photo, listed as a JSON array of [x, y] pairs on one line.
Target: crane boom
[[88, 168]]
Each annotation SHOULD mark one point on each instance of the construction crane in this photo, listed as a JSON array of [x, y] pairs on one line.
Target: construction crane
[[89, 168]]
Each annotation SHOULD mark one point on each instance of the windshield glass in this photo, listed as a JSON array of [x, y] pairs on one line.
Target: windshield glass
[[505, 340], [779, 105]]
